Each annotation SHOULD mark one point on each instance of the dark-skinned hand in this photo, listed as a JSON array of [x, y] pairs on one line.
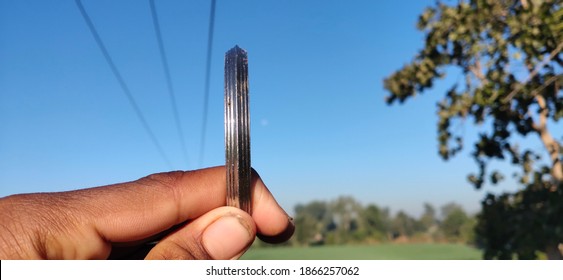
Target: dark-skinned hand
[[173, 215]]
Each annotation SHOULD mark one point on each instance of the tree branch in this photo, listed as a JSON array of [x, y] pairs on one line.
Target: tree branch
[[551, 145], [477, 70], [546, 84], [534, 73]]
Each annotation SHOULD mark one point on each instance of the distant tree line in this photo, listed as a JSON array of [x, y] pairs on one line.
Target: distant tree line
[[346, 221]]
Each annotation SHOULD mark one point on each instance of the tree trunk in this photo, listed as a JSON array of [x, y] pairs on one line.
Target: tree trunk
[[551, 145]]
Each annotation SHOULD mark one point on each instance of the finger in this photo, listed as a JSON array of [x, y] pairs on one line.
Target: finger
[[155, 203], [223, 233], [274, 226]]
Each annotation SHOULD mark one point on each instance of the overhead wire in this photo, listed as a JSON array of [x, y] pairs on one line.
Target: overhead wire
[[163, 58], [121, 82], [207, 79]]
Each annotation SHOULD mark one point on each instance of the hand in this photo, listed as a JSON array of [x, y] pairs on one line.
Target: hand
[[184, 211]]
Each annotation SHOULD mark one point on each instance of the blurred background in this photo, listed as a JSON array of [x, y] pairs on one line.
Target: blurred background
[[100, 92]]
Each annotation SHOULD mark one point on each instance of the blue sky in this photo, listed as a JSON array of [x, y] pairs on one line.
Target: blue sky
[[320, 126]]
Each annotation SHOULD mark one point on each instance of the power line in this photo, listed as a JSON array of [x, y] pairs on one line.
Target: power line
[[207, 77], [164, 60], [121, 82]]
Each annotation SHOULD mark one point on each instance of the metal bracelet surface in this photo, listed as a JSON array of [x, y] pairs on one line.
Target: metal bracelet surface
[[237, 130]]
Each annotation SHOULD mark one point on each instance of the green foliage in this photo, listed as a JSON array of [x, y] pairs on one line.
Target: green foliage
[[454, 220], [312, 219], [523, 224], [404, 225], [467, 231], [345, 213], [345, 221], [376, 222], [510, 55], [478, 37], [340, 221], [428, 218]]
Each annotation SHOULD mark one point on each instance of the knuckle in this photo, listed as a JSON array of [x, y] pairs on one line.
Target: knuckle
[[166, 184], [165, 178]]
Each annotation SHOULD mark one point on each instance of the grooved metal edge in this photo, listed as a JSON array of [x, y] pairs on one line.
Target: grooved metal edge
[[237, 129]]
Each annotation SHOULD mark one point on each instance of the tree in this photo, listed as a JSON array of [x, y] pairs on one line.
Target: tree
[[522, 224], [467, 230], [376, 222], [345, 213], [405, 225], [311, 220], [428, 218], [454, 219], [510, 55], [335, 222]]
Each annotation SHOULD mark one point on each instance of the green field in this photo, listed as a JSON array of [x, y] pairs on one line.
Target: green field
[[367, 252]]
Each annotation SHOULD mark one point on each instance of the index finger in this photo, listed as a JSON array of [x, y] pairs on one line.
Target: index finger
[[140, 209]]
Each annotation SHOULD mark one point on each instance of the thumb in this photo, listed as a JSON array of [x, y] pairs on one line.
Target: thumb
[[223, 233]]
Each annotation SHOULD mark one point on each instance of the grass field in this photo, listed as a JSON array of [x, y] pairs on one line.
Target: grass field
[[367, 252]]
